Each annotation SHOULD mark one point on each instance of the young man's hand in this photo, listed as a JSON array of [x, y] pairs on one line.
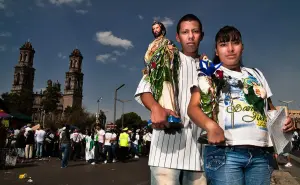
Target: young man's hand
[[159, 116]]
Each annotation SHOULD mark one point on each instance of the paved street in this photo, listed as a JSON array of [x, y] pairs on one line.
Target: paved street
[[80, 173]]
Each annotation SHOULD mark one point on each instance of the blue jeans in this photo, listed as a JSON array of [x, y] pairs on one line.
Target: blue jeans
[[162, 176], [39, 149], [235, 165], [113, 148], [108, 153], [65, 149]]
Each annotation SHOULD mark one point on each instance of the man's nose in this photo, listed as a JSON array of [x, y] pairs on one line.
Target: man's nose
[[191, 36]]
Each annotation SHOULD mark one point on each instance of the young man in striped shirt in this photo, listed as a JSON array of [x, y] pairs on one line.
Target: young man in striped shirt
[[176, 159]]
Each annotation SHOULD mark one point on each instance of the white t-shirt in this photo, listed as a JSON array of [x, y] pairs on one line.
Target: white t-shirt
[[26, 131], [147, 136], [243, 125], [136, 141], [76, 137], [40, 136], [108, 137], [101, 134]]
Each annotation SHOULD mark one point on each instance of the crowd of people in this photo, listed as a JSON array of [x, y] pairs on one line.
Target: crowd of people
[[96, 145]]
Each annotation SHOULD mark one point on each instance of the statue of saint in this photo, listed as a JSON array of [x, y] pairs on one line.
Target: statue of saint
[[162, 61]]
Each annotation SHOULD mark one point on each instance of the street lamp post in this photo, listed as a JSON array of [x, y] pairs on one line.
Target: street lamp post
[[98, 101], [123, 101], [115, 101]]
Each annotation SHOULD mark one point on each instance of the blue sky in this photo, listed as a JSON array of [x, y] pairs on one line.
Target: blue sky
[[113, 37]]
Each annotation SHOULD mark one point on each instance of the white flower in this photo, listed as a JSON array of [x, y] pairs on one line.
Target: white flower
[[204, 84], [260, 91]]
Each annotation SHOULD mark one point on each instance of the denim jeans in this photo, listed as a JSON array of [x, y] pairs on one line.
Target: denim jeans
[[65, 149], [114, 148], [162, 176], [39, 149], [234, 165], [108, 153]]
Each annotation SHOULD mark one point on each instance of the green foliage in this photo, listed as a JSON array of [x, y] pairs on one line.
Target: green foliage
[[20, 103], [78, 117], [131, 120], [102, 118], [51, 97]]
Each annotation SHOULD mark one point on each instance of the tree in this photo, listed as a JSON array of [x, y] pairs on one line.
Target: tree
[[131, 120], [21, 103], [78, 117], [102, 118], [51, 97]]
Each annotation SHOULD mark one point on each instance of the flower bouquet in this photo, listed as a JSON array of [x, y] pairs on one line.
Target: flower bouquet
[[210, 82]]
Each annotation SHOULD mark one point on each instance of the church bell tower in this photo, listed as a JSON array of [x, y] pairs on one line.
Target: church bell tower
[[24, 71], [74, 81]]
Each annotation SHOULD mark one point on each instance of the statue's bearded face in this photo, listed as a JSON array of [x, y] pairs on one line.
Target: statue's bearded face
[[156, 30]]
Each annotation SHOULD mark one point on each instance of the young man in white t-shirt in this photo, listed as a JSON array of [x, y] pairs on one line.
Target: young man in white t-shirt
[[177, 158], [99, 138]]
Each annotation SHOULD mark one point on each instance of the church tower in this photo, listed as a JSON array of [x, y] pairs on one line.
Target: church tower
[[24, 71], [74, 81]]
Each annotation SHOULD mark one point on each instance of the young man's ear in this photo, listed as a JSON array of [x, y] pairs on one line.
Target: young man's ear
[[202, 36], [177, 38]]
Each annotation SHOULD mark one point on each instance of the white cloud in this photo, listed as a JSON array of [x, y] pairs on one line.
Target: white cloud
[[118, 53], [103, 58], [60, 55], [107, 38], [2, 5], [156, 18], [123, 66], [109, 57], [88, 3], [133, 68], [69, 2], [5, 34], [9, 14], [2, 48], [166, 21], [81, 11], [40, 3], [140, 17]]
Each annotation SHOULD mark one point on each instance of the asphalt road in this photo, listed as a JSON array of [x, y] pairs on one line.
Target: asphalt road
[[48, 172], [79, 173]]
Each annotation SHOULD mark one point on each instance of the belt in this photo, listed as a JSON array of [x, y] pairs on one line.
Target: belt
[[268, 149]]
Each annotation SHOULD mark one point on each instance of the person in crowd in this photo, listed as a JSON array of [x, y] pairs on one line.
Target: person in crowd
[[65, 145]]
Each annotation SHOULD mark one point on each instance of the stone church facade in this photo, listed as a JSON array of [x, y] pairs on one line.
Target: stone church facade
[[24, 80]]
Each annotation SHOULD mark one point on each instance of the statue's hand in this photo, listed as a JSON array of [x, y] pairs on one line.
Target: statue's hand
[[171, 47]]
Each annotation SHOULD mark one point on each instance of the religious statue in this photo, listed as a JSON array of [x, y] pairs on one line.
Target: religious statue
[[162, 61]]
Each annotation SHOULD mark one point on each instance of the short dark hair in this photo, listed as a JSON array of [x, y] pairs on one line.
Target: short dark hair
[[188, 17]]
